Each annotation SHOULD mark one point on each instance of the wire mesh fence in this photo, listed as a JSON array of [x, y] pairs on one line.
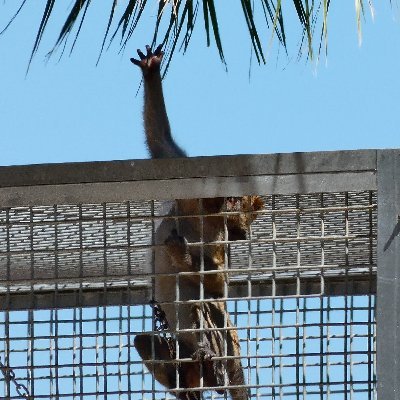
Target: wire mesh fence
[[317, 347], [76, 281]]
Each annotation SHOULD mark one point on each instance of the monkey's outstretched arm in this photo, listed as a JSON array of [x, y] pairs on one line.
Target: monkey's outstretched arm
[[158, 132]]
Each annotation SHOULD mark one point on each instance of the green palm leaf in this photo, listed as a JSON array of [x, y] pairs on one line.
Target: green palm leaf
[[181, 17]]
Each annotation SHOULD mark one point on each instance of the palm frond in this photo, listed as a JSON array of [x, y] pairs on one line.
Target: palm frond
[[177, 20], [110, 19], [359, 11], [191, 20], [304, 15], [13, 17], [123, 23], [69, 23], [209, 8], [134, 18], [79, 28], [176, 23], [274, 13], [46, 15], [324, 30], [251, 26]]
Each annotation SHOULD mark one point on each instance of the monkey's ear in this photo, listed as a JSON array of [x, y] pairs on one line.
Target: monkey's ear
[[258, 203]]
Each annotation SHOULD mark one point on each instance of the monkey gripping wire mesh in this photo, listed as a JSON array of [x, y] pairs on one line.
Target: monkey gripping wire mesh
[[76, 284]]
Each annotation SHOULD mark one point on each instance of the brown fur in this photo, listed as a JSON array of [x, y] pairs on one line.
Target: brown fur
[[195, 224], [237, 223]]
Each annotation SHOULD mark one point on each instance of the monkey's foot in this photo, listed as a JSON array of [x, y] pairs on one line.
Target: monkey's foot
[[149, 63], [203, 353]]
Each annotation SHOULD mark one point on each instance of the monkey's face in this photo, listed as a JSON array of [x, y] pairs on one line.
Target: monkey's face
[[240, 213], [243, 214], [235, 232]]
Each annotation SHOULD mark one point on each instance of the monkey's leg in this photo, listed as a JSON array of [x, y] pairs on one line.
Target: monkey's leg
[[210, 345], [162, 372], [234, 366], [215, 315], [165, 373]]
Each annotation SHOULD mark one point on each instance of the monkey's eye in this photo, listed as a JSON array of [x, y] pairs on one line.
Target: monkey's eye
[[230, 202], [233, 203]]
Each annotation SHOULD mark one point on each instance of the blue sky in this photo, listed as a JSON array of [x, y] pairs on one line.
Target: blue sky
[[71, 110]]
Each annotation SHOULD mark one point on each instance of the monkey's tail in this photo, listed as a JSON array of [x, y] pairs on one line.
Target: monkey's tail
[[235, 369], [236, 377]]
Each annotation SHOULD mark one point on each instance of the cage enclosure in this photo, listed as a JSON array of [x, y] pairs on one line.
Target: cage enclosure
[[313, 289]]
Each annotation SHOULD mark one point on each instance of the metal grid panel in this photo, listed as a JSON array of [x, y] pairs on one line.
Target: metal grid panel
[[307, 348], [330, 234], [301, 296]]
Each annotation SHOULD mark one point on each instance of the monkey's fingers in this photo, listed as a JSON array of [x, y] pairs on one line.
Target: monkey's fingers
[[136, 62], [149, 60], [140, 54], [157, 51]]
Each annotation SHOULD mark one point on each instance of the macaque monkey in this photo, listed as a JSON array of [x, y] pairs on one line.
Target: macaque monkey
[[207, 221], [214, 259]]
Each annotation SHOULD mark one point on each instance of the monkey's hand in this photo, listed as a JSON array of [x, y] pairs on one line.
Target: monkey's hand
[[149, 63], [213, 371], [203, 352], [178, 250]]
